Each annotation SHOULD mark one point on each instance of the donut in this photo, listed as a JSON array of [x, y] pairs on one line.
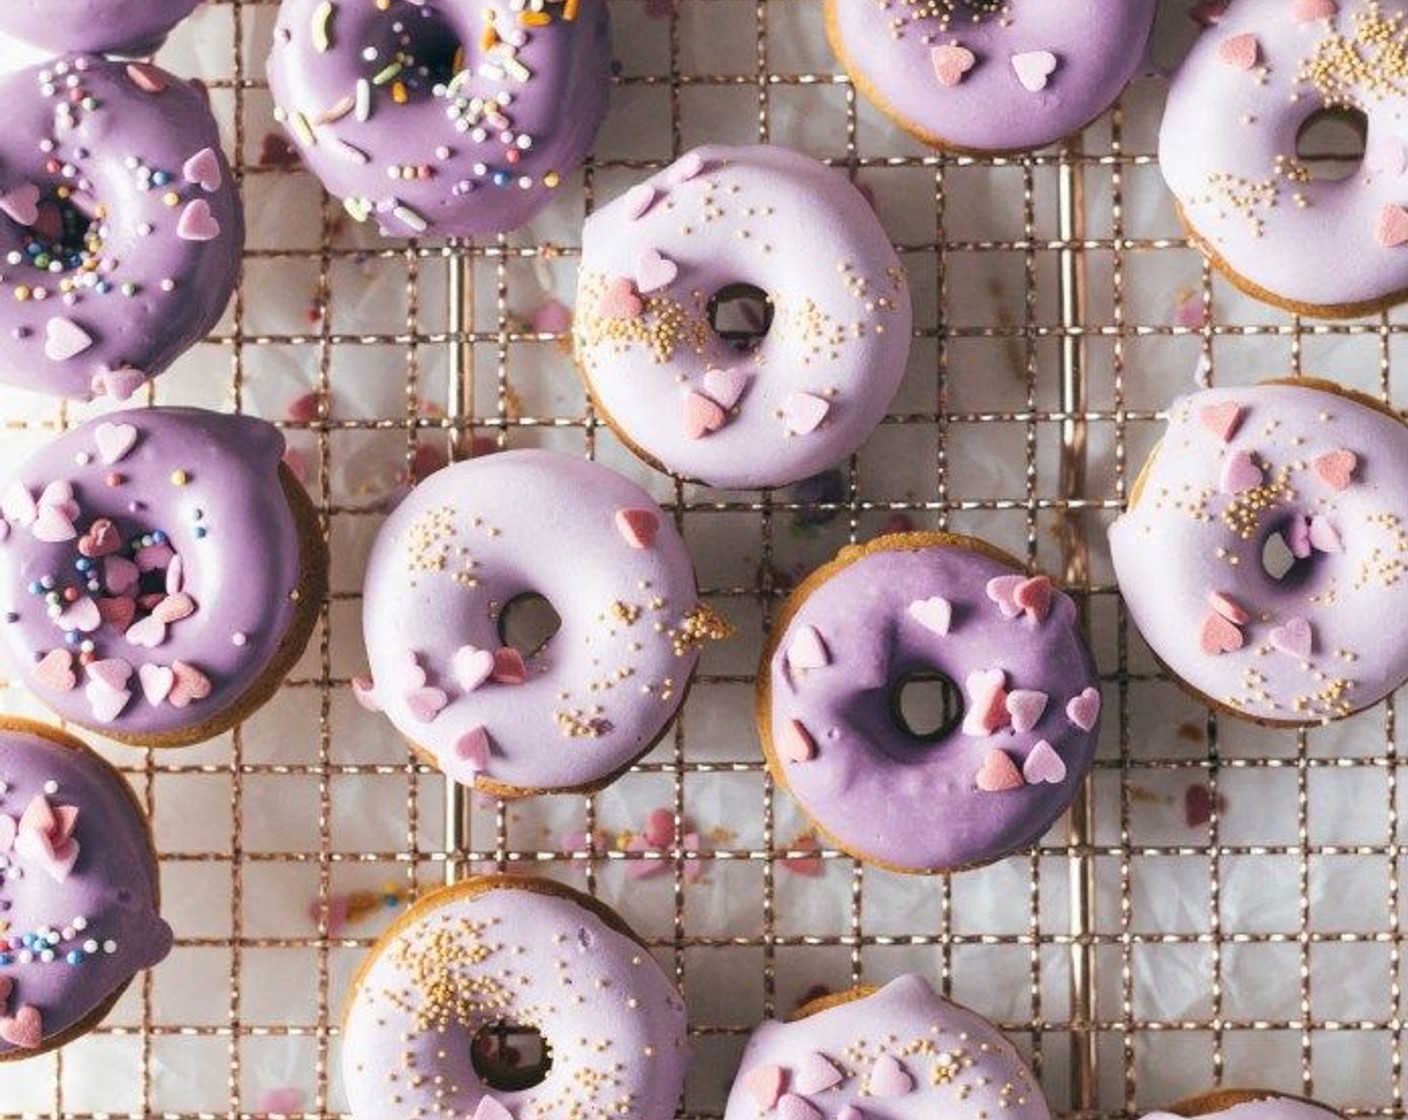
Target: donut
[[442, 119], [78, 889], [990, 76], [1303, 470], [120, 227], [482, 534], [680, 393], [1246, 1104], [905, 607], [1228, 150], [160, 573], [512, 951], [893, 1053], [134, 28]]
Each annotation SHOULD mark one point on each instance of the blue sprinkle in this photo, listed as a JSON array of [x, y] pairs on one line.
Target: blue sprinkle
[[72, 637], [83, 563], [502, 178], [75, 957], [158, 537], [199, 532]]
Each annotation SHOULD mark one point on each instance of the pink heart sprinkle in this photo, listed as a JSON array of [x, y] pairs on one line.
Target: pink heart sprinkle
[[1026, 707], [620, 301], [1222, 420], [120, 575], [934, 614], [1084, 710], [106, 704], [1308, 11], [1044, 765], [654, 271], [1002, 591], [409, 671], [21, 204], [638, 526], [471, 667], [1228, 608], [793, 1107], [190, 684], [1034, 597], [52, 526], [25, 1031], [1336, 468], [987, 702], [951, 63], [1034, 69], [796, 743], [147, 633], [803, 413], [175, 576], [888, 1078], [114, 441], [102, 539], [471, 750], [815, 1073], [119, 384], [688, 166], [765, 1084], [55, 670], [725, 386], [1239, 473], [509, 666], [146, 77], [174, 608], [701, 416], [998, 773], [112, 673], [197, 222], [426, 703], [156, 683], [491, 1109], [1297, 537], [81, 615], [203, 169], [1219, 636], [638, 201], [1392, 228], [807, 650], [1240, 51], [1294, 638], [1324, 537]]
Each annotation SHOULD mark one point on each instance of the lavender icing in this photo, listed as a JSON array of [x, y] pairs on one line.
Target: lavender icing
[[1268, 1108], [516, 951], [821, 379], [120, 227], [1227, 148], [443, 119], [78, 888], [481, 533], [999, 76], [1325, 473], [898, 1052], [988, 785], [150, 566], [123, 27]]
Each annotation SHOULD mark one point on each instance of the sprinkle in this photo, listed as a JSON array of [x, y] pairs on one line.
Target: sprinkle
[[934, 614], [1034, 69], [1240, 51], [322, 26], [64, 339], [637, 526], [179, 478], [951, 63], [1336, 468], [1044, 766]]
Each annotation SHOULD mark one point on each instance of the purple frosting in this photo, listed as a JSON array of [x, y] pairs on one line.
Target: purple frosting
[[1227, 148], [120, 228], [1268, 1108], [479, 534], [437, 118], [78, 879], [900, 1053], [1327, 475], [1001, 76], [821, 379], [988, 785], [512, 951], [124, 27], [84, 515]]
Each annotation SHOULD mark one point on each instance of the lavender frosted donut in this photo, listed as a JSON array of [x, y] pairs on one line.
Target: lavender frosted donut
[[123, 27], [160, 572], [679, 393], [513, 951], [479, 535], [1319, 475], [437, 118], [990, 75], [1246, 1104], [900, 607], [1227, 148], [895, 1053], [78, 889], [120, 228]]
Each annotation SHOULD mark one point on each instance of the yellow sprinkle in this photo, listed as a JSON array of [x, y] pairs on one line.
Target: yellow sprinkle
[[322, 26], [179, 478]]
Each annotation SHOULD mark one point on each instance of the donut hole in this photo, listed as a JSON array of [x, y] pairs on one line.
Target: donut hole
[[927, 705], [1331, 142], [528, 622], [1278, 558], [65, 237], [418, 49], [510, 1057], [741, 315]]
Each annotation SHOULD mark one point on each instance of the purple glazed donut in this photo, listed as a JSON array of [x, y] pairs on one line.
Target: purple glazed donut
[[437, 118], [680, 394], [78, 889], [1246, 1104], [991, 75], [1319, 474], [480, 535], [1227, 148], [895, 1053], [979, 787], [120, 228], [160, 572], [502, 950], [121, 27]]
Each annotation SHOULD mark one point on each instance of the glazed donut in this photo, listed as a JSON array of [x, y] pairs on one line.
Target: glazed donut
[[889, 1054], [479, 535], [78, 889], [1314, 471], [681, 395], [120, 228], [898, 608], [437, 118], [123, 27], [512, 951], [1246, 1104], [160, 572], [1227, 149], [990, 75]]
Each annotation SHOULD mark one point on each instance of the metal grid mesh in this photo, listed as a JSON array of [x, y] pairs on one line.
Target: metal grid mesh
[[1075, 936]]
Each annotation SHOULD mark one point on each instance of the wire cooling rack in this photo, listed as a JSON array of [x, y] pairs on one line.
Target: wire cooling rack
[[1223, 903]]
